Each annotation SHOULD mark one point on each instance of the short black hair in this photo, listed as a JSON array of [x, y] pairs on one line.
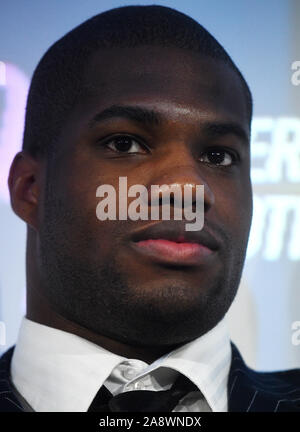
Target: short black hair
[[58, 78]]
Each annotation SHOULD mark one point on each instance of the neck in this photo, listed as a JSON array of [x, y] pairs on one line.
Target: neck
[[39, 310]]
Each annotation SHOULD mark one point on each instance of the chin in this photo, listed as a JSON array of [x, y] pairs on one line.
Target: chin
[[169, 323]]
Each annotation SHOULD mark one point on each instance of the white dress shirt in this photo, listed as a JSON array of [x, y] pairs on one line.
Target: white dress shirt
[[58, 371]]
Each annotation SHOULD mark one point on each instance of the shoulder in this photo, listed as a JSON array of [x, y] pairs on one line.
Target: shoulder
[[8, 401], [262, 391], [238, 364]]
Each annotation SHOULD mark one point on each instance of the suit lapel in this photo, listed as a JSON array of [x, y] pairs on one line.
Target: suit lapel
[[8, 400], [249, 390]]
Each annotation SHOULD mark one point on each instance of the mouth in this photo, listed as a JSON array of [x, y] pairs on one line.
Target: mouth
[[169, 243]]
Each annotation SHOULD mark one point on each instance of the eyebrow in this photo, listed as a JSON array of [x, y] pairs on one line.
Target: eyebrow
[[216, 129], [136, 114], [152, 118]]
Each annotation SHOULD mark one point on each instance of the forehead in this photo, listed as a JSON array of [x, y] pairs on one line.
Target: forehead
[[178, 81]]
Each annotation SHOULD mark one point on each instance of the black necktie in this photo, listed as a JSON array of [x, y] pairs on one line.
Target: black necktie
[[143, 400]]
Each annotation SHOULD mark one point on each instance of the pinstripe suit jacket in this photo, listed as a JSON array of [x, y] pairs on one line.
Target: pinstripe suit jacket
[[248, 390]]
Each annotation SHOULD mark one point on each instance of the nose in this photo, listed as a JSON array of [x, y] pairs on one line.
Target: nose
[[184, 171]]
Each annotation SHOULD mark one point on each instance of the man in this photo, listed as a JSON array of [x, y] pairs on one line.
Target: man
[[128, 315]]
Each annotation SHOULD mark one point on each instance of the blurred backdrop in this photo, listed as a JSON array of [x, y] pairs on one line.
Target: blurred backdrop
[[263, 38]]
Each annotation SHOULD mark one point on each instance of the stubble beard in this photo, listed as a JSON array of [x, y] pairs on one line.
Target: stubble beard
[[100, 298]]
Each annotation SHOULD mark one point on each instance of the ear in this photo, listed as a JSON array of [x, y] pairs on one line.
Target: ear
[[24, 186]]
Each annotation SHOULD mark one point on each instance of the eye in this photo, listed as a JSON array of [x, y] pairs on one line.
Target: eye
[[125, 144], [218, 157]]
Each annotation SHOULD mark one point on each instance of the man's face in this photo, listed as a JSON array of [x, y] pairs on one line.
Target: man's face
[[94, 272]]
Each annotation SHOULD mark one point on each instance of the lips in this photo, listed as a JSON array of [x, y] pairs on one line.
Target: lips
[[168, 242]]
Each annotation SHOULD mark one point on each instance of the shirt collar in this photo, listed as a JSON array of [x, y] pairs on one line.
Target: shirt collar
[[58, 371], [206, 362]]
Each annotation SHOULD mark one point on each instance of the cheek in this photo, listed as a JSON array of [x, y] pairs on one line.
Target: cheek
[[70, 209], [233, 207]]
